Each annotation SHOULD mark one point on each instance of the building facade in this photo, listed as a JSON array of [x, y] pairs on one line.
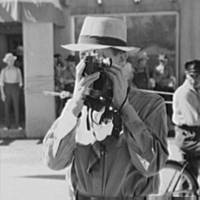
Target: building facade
[[43, 34]]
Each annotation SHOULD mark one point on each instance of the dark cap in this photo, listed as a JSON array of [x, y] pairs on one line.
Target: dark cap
[[193, 67]]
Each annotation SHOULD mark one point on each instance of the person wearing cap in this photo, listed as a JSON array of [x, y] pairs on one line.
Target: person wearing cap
[[11, 82], [186, 115], [115, 151]]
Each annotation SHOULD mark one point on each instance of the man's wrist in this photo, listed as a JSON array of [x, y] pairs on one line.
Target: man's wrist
[[77, 106]]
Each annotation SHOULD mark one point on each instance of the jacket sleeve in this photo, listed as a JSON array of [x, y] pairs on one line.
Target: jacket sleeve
[[147, 137], [59, 142]]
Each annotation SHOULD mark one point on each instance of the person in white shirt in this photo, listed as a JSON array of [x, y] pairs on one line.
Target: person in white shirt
[[10, 83], [186, 115]]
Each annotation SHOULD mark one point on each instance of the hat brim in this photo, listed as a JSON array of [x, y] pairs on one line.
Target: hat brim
[[5, 60], [88, 47]]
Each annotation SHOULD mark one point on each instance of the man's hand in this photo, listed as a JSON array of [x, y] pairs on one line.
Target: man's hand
[[82, 83], [120, 85], [65, 94]]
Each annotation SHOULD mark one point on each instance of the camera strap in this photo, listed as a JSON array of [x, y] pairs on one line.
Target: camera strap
[[117, 121], [114, 114]]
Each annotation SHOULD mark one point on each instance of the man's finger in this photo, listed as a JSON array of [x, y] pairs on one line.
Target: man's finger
[[114, 74], [90, 79], [80, 68]]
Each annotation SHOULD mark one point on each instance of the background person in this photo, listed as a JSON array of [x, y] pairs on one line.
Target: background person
[[141, 74], [108, 160], [165, 81], [11, 82], [186, 115], [163, 75], [67, 80], [128, 71], [69, 74], [59, 68]]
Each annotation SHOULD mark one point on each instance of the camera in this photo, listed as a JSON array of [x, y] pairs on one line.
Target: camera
[[100, 92]]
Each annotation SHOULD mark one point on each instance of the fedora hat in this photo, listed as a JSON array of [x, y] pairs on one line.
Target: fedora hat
[[101, 33], [8, 57]]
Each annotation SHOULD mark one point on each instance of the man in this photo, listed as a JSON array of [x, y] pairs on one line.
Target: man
[[163, 75], [186, 115], [108, 160], [141, 75], [10, 83]]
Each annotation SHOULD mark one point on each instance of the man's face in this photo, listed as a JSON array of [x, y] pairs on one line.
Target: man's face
[[10, 62], [118, 57], [143, 63], [194, 79]]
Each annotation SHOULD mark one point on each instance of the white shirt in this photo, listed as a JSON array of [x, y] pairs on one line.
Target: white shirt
[[10, 75], [67, 121], [186, 105]]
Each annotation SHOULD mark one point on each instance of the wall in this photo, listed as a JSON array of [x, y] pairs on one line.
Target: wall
[[189, 20], [38, 70], [63, 35], [3, 49], [79, 7], [189, 31]]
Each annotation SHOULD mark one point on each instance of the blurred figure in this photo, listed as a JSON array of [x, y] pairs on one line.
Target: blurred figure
[[165, 80], [128, 71], [186, 115], [69, 73], [67, 80], [11, 82], [64, 79], [19, 61], [58, 73], [58, 70], [141, 74], [163, 75]]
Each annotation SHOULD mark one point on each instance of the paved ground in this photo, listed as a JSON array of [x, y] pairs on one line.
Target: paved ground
[[23, 176]]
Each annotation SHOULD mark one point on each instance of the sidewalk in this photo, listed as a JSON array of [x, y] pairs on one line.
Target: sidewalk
[[23, 175]]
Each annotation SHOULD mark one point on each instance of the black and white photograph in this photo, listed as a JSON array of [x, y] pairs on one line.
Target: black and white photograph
[[99, 99]]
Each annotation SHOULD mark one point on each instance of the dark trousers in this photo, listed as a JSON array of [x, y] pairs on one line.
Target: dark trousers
[[12, 92]]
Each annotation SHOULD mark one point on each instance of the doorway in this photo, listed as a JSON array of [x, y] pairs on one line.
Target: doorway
[[11, 40]]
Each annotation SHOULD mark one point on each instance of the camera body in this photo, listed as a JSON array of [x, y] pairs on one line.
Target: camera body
[[100, 92]]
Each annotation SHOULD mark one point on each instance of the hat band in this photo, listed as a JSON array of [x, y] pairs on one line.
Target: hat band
[[101, 40]]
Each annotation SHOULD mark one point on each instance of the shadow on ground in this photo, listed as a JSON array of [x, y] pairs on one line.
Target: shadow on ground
[[6, 142]]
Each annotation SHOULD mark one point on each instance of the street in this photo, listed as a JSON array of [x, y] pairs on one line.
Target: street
[[24, 176]]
